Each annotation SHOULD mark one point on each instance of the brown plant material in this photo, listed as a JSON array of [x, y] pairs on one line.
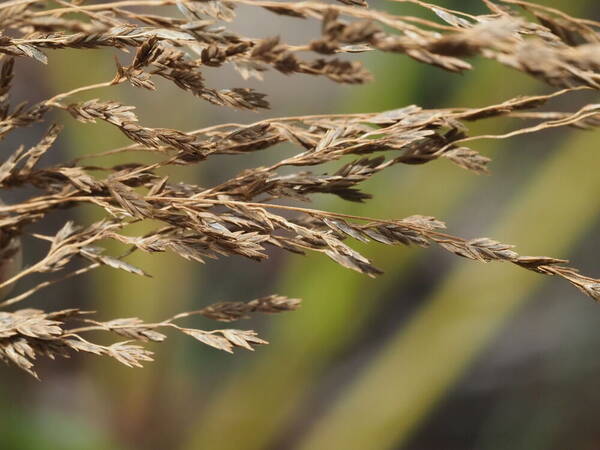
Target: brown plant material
[[239, 216]]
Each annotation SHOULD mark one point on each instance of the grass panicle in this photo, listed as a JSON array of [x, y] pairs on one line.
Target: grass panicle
[[257, 209]]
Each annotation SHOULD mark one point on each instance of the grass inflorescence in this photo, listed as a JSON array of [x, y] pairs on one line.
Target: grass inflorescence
[[257, 208]]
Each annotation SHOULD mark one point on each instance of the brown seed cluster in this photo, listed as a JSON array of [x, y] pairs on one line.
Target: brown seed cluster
[[240, 216]]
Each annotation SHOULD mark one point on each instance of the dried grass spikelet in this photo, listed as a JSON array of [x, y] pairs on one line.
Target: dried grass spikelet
[[239, 216]]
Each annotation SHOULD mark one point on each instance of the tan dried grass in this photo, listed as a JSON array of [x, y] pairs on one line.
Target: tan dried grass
[[238, 216]]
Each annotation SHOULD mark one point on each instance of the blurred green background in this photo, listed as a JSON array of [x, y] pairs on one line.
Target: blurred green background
[[438, 353]]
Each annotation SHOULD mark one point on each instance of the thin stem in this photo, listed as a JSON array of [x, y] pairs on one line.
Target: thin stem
[[22, 274], [24, 295], [569, 120], [54, 100], [554, 11]]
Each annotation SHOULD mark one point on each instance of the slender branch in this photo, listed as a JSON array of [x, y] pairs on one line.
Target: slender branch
[[44, 284]]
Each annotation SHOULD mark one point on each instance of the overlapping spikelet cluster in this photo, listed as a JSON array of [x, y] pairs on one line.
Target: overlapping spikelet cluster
[[240, 216]]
